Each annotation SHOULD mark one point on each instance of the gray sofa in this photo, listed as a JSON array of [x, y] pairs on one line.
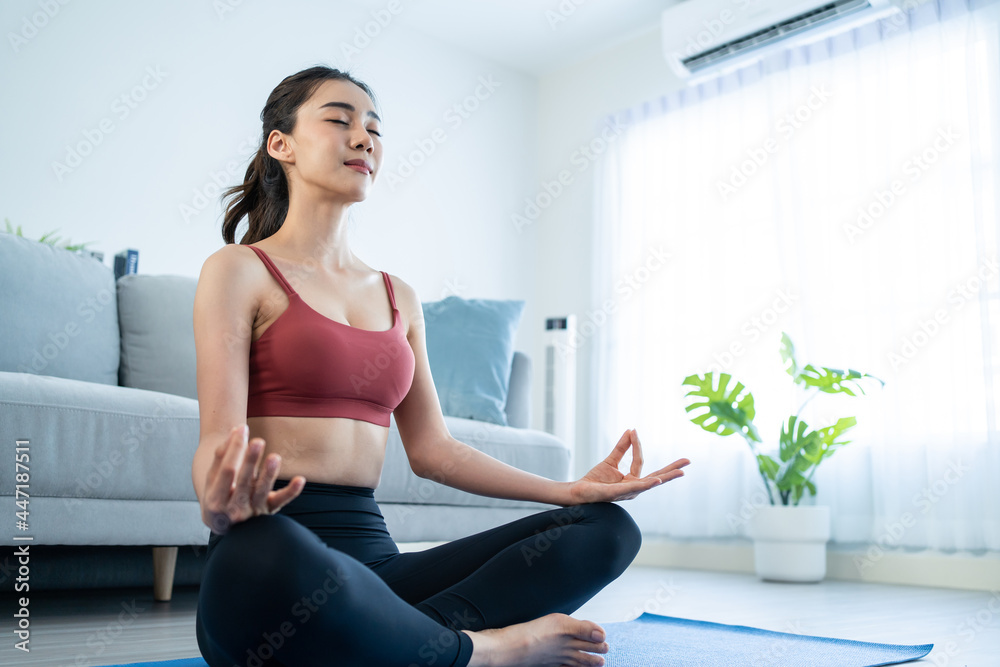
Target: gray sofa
[[97, 379]]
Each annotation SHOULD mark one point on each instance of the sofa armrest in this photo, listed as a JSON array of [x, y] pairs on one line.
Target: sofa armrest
[[518, 406]]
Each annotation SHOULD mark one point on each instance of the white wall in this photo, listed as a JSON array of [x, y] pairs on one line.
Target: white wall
[[445, 229], [573, 103]]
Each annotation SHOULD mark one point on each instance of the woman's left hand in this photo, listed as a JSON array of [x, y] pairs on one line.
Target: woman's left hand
[[605, 483]]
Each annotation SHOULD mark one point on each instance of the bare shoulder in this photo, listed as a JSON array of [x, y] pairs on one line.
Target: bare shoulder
[[235, 265], [407, 301], [233, 277], [229, 259]]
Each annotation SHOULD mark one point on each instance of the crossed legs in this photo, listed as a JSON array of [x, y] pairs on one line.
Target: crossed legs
[[552, 561], [275, 594]]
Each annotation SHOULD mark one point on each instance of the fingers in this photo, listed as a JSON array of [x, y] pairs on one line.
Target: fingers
[[265, 481], [616, 454], [224, 467], [245, 478], [636, 454], [657, 478], [676, 465], [280, 498]]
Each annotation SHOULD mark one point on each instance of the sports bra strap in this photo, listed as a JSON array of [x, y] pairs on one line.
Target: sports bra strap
[[388, 285], [274, 270]]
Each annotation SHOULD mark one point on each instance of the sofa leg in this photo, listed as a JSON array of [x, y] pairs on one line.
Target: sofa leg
[[164, 561]]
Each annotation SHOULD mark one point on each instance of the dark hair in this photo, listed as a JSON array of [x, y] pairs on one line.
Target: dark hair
[[263, 196]]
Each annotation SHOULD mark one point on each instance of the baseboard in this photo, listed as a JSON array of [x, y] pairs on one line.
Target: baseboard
[[844, 563]]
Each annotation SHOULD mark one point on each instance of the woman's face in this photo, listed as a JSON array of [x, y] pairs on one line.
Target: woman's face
[[335, 147]]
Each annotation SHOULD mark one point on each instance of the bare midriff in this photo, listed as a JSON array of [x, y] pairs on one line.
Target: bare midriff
[[331, 450]]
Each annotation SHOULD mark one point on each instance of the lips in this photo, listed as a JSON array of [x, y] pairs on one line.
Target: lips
[[359, 165]]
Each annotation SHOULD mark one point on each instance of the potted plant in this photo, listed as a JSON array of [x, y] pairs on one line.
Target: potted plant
[[789, 539], [51, 239]]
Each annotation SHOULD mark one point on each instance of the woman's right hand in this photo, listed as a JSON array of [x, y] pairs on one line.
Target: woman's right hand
[[234, 490]]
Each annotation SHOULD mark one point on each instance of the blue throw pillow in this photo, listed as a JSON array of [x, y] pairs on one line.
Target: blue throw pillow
[[470, 347]]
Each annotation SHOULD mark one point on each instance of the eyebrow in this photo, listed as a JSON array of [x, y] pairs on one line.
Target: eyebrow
[[349, 107]]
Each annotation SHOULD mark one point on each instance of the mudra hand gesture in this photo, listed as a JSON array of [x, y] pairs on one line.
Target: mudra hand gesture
[[605, 483]]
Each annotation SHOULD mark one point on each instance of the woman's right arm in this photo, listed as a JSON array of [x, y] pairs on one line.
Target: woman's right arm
[[226, 465]]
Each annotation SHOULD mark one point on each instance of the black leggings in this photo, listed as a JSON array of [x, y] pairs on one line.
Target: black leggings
[[321, 582]]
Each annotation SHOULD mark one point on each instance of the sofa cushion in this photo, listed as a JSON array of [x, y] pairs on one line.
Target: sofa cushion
[[155, 314], [60, 310], [470, 348], [89, 440], [534, 451]]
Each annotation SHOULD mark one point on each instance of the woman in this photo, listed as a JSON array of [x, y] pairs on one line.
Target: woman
[[301, 570]]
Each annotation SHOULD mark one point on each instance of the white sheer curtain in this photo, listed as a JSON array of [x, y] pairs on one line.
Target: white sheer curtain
[[843, 192]]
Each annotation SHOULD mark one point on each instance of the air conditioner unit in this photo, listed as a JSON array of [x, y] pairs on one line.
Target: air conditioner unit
[[704, 38]]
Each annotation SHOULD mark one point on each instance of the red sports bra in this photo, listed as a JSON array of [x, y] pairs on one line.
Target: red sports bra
[[307, 365]]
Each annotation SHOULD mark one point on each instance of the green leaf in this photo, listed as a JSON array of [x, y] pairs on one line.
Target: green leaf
[[767, 466], [48, 237], [788, 357], [828, 436], [802, 450], [833, 380], [723, 411], [790, 442], [797, 493]]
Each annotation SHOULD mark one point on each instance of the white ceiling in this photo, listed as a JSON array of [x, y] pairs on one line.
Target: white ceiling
[[534, 36]]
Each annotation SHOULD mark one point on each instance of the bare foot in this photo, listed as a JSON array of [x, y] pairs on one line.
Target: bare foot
[[550, 641]]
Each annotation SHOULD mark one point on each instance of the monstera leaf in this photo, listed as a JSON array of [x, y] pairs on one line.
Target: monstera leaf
[[801, 450], [828, 380], [788, 356], [723, 411], [834, 380]]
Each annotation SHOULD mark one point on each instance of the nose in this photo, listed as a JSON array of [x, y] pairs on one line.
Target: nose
[[363, 140]]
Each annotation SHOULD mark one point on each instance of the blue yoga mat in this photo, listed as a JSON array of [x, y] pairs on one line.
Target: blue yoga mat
[[652, 640]]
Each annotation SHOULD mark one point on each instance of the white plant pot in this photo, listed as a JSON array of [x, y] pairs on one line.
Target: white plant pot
[[789, 543]]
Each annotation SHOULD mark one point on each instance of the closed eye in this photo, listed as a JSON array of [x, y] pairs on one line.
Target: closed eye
[[344, 122]]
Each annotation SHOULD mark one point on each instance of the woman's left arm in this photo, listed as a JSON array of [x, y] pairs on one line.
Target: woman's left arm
[[434, 454]]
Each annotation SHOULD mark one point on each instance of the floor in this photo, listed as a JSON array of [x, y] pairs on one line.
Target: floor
[[124, 625]]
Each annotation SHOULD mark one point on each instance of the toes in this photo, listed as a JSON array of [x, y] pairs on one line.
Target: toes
[[590, 632]]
